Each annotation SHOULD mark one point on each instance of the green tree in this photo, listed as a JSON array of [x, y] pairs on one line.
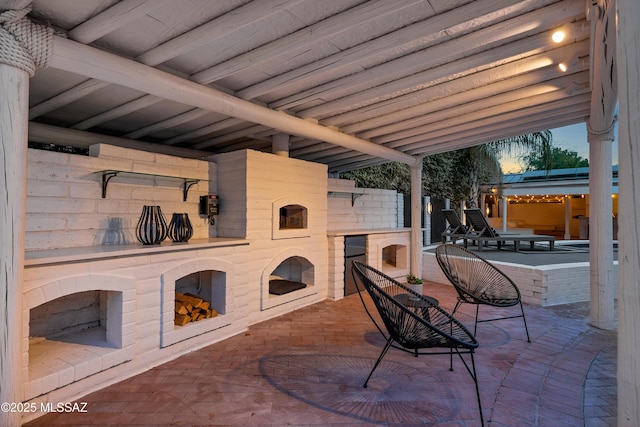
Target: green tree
[[560, 159], [483, 161], [455, 175], [441, 176]]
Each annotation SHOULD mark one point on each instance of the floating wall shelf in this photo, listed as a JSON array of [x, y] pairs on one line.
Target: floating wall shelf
[[353, 195], [187, 183]]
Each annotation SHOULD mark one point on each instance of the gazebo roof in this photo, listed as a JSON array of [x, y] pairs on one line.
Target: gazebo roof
[[343, 78]]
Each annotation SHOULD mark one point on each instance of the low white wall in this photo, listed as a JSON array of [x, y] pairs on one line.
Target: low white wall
[[543, 285]]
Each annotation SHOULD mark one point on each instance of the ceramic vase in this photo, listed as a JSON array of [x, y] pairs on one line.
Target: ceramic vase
[[151, 228], [180, 229]]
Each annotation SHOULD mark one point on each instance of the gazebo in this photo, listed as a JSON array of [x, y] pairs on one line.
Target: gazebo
[[341, 84]]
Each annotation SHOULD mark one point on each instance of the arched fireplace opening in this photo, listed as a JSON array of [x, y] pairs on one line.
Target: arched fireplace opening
[[199, 295], [393, 258], [77, 317], [293, 217], [292, 274], [73, 335]]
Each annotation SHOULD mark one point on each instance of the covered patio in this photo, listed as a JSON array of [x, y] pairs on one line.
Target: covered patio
[[251, 107], [277, 373]]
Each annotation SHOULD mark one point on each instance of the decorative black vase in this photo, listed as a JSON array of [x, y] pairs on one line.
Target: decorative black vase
[[151, 228], [180, 229]]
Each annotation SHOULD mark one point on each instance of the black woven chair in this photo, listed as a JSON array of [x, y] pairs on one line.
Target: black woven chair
[[478, 282], [413, 322]]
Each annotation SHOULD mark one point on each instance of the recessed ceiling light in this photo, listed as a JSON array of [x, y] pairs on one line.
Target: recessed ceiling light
[[558, 36], [562, 66]]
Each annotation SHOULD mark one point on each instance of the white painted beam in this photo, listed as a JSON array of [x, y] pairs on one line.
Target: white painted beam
[[470, 51], [405, 40], [474, 114], [503, 78], [114, 113], [77, 58], [510, 122], [48, 134], [246, 132], [454, 141], [113, 18], [388, 114], [203, 131], [242, 17], [185, 117], [301, 40], [67, 97]]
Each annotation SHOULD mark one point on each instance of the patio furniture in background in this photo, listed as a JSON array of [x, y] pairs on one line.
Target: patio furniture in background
[[413, 322], [478, 282], [456, 228], [480, 231]]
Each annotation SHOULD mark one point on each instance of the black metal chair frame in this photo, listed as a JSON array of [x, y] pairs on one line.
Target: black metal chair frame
[[479, 282], [424, 325], [456, 227]]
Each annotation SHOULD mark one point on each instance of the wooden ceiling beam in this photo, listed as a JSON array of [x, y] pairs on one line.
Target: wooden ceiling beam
[[240, 18], [228, 137], [67, 97], [450, 93], [394, 44], [48, 134], [304, 38], [113, 18], [472, 50], [475, 132], [446, 108], [509, 124], [496, 62], [177, 120], [85, 60], [204, 131], [473, 112], [122, 110]]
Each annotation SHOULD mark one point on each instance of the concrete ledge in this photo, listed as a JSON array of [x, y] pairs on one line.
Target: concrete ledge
[[542, 285]]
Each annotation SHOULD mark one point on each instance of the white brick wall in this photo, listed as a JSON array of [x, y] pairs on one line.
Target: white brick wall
[[373, 209], [253, 186], [65, 212], [65, 207]]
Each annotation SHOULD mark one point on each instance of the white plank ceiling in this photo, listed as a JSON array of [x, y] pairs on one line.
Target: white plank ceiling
[[417, 76]]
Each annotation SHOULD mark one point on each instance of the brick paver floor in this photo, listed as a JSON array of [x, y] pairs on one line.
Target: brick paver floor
[[306, 368]]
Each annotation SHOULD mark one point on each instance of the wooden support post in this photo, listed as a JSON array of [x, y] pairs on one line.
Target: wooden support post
[[567, 217], [416, 219], [602, 309], [601, 122], [628, 377], [14, 105]]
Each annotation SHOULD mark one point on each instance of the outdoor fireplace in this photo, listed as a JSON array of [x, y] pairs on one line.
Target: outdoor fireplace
[[204, 279], [73, 335], [288, 277]]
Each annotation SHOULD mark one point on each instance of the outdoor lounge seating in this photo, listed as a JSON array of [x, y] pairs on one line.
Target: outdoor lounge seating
[[480, 231], [478, 282], [456, 228], [413, 321]]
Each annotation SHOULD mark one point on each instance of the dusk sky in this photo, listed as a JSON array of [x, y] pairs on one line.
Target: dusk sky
[[572, 138]]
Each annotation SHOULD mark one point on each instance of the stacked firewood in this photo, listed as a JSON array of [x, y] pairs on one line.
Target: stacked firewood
[[191, 308]]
